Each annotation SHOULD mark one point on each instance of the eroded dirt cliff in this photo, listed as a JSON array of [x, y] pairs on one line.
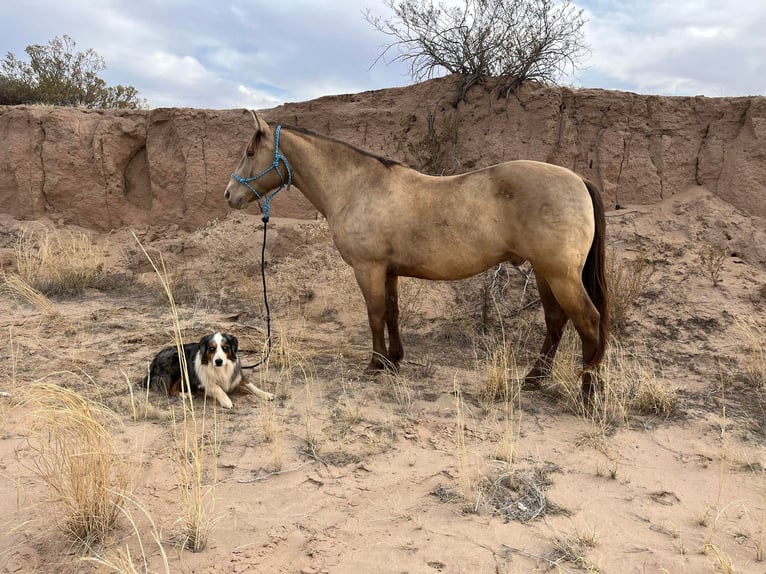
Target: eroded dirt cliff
[[108, 169]]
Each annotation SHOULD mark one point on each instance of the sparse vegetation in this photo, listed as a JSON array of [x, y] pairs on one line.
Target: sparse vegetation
[[453, 427], [194, 461], [754, 368], [573, 548], [73, 454], [712, 260], [13, 285], [57, 263], [626, 279]]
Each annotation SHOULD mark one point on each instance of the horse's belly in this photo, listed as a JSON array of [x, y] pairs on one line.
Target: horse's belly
[[451, 264]]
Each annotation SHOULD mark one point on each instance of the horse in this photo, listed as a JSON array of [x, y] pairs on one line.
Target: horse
[[388, 220]]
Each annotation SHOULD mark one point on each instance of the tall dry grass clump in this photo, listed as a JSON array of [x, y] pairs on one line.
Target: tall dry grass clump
[[57, 262], [74, 455], [196, 449]]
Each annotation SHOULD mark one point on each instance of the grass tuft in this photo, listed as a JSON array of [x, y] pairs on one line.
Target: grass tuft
[[197, 473], [74, 455], [58, 263], [626, 280], [13, 285]]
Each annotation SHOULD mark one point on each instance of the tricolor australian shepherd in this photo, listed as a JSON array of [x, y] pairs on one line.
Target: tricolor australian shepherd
[[213, 367]]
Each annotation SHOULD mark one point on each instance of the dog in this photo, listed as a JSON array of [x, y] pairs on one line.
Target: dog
[[212, 366]]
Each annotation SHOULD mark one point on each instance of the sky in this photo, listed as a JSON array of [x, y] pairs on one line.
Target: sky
[[259, 54]]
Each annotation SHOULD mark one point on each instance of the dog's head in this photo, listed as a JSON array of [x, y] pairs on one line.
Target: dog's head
[[218, 349]]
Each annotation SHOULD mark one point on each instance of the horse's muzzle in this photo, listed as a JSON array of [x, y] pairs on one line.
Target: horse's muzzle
[[235, 201]]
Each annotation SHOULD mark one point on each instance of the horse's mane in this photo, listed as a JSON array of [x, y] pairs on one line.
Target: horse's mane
[[385, 161]]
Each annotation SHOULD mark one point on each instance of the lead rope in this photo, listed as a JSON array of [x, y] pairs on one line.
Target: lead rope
[[265, 220], [265, 206]]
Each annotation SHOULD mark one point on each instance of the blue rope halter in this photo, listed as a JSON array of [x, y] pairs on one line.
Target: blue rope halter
[[278, 157]]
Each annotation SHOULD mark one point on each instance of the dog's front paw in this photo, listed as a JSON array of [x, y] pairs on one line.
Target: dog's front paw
[[225, 402]]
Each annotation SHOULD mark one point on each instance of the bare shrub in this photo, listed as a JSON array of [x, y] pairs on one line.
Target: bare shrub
[[516, 40], [711, 262], [519, 494]]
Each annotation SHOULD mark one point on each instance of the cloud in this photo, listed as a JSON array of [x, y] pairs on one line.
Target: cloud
[[258, 53], [678, 48]]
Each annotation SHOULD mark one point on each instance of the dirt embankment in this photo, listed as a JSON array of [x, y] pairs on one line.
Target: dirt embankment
[[107, 169]]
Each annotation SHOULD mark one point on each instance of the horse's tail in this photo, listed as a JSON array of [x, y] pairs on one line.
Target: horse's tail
[[594, 272]]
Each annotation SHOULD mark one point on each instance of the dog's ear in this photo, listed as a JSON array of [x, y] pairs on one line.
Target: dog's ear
[[234, 344], [203, 342]]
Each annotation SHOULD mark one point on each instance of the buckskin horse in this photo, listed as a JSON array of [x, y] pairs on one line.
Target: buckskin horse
[[388, 220]]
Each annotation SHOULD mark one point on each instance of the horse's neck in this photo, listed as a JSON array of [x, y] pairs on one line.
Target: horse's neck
[[324, 170]]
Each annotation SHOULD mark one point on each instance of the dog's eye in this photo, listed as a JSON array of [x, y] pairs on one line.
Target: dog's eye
[[225, 348]]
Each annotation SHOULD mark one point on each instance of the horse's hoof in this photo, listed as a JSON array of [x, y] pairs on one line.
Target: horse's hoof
[[590, 388], [535, 378], [377, 365]]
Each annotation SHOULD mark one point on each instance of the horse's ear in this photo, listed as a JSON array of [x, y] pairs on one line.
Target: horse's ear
[[257, 136]]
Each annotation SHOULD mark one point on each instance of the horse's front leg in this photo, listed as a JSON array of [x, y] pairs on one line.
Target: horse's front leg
[[395, 349], [372, 282]]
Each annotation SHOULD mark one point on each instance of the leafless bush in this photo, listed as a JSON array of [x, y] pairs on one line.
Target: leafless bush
[[516, 40]]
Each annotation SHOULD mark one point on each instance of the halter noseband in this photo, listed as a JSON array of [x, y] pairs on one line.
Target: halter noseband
[[278, 157]]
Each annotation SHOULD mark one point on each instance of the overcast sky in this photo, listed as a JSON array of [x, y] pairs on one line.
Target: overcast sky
[[259, 54]]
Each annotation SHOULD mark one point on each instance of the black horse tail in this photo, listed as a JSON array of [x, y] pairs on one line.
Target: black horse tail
[[594, 272]]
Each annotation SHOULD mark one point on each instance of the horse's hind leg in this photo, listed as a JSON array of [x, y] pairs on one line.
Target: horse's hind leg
[[555, 321], [573, 299]]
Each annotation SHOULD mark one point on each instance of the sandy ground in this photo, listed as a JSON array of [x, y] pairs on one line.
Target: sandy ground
[[421, 472]]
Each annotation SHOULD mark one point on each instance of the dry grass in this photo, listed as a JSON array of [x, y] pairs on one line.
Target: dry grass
[[195, 460], [518, 494], [628, 382], [722, 560], [754, 368], [58, 262], [74, 455], [119, 558], [20, 290], [397, 388], [573, 548], [503, 382], [468, 473], [626, 280]]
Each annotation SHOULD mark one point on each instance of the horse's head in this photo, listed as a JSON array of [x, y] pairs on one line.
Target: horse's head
[[255, 175]]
